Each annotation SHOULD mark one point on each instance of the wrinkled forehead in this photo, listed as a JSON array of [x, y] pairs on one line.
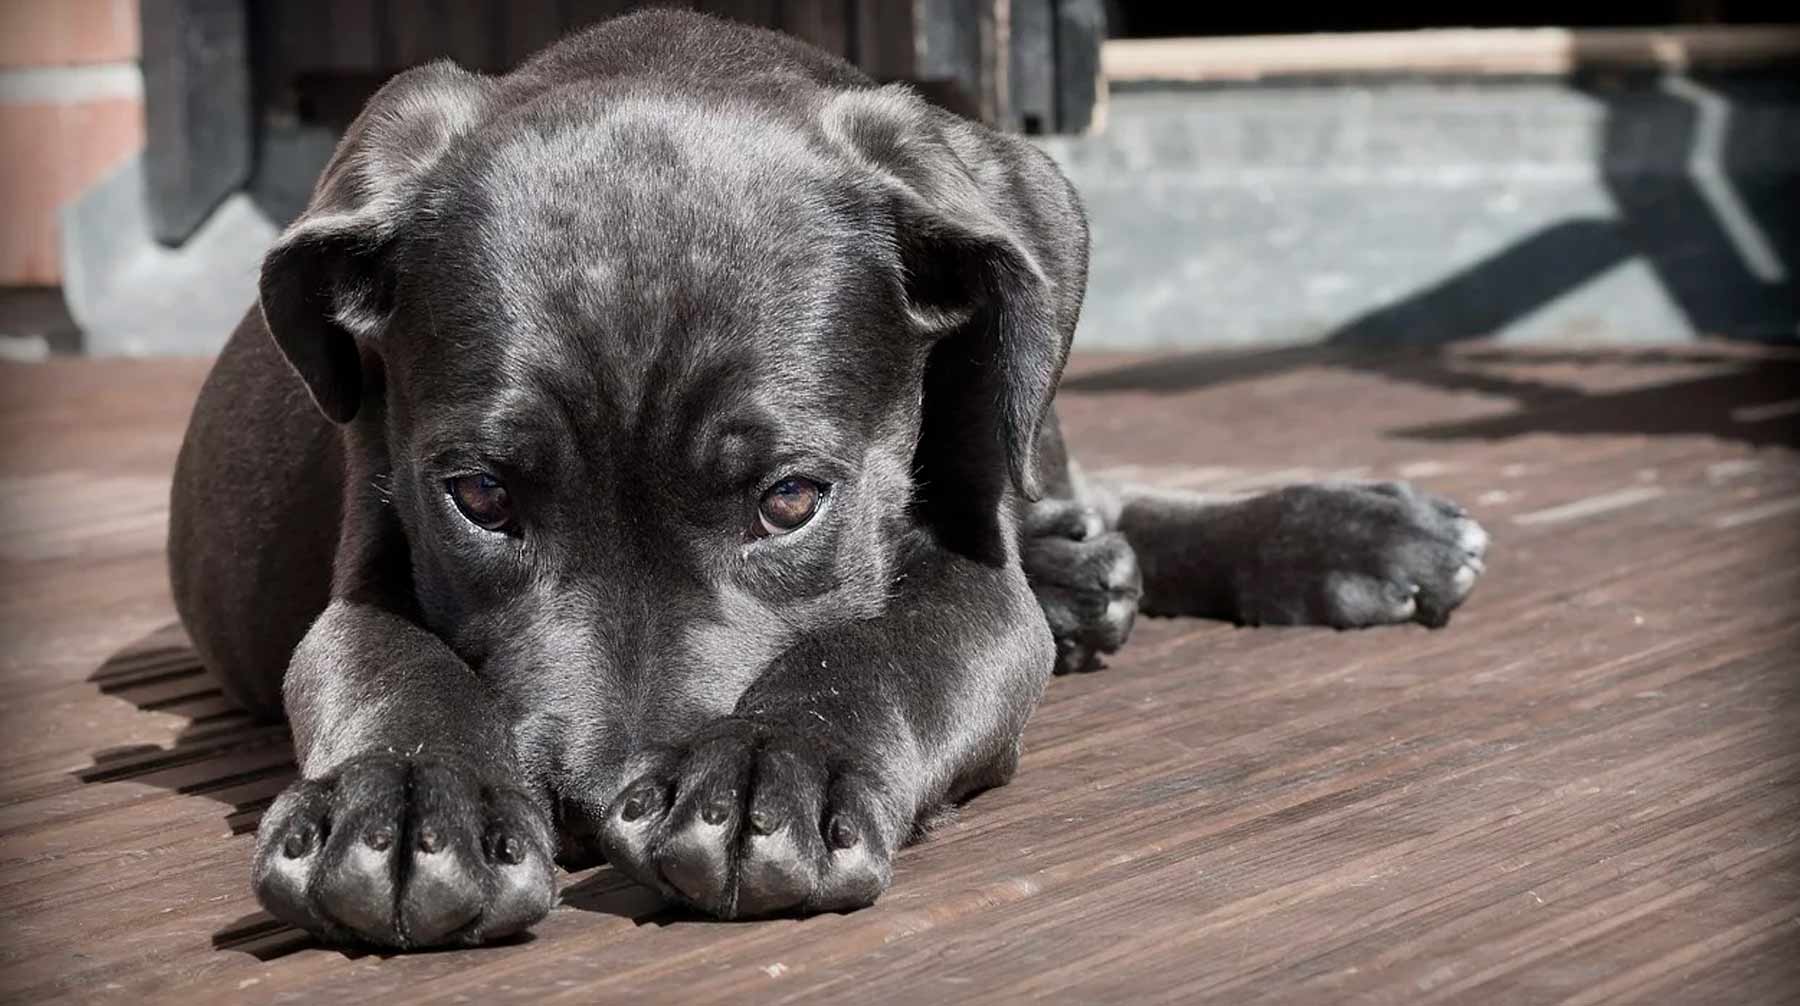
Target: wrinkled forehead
[[646, 212], [639, 221], [660, 263]]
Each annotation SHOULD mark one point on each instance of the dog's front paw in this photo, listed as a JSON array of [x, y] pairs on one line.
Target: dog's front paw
[[1086, 579], [405, 852], [752, 818], [1355, 555]]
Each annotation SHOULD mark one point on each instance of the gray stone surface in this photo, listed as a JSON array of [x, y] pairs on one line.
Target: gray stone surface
[[134, 296], [1424, 212]]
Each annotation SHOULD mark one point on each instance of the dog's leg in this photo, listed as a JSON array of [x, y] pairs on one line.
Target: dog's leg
[[409, 826], [798, 800], [1341, 554], [1084, 574]]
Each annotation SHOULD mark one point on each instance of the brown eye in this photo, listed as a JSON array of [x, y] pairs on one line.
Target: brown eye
[[788, 504], [482, 499]]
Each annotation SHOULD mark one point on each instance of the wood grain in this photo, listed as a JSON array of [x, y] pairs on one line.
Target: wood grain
[[1585, 790]]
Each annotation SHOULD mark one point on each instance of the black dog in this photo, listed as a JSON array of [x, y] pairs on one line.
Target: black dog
[[648, 454]]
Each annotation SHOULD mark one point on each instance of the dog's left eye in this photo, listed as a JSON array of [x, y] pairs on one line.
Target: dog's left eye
[[787, 505], [483, 499]]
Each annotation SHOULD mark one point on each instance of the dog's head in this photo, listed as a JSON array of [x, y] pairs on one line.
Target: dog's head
[[652, 385]]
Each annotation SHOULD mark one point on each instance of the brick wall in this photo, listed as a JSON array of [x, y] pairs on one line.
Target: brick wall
[[71, 111]]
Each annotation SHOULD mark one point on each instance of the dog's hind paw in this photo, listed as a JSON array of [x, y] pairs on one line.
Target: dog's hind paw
[[1086, 579], [407, 852], [1352, 555]]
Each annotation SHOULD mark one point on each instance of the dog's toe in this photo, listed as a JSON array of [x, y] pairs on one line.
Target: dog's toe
[[1471, 537], [356, 887], [1062, 519], [442, 895], [356, 890], [858, 865], [1355, 600], [695, 861], [519, 857], [1456, 560], [292, 847], [781, 846], [777, 873]]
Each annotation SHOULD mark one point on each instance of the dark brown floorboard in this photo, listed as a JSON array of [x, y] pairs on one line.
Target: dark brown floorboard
[[1586, 790]]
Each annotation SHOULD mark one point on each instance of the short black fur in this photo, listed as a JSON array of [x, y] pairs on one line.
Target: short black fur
[[662, 266]]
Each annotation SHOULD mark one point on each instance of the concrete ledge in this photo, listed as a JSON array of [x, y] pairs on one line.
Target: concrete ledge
[[1644, 209], [133, 296]]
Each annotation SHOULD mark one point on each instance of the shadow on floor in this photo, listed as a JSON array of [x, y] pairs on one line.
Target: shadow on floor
[[1719, 391], [608, 892], [1754, 405], [263, 937], [220, 753]]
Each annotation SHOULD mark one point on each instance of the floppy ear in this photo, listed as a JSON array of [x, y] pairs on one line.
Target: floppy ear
[[993, 254], [327, 284]]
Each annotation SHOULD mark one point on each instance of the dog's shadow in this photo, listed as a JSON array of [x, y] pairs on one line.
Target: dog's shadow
[[220, 753], [223, 754]]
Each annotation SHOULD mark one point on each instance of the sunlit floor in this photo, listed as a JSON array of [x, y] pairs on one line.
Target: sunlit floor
[[1584, 789]]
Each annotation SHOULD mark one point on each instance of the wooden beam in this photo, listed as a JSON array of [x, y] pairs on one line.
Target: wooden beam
[[1459, 52], [949, 53], [1033, 70], [1080, 89], [197, 145], [885, 39], [824, 23], [761, 13]]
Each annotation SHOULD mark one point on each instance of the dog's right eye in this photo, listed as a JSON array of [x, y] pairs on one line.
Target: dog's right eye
[[483, 499], [788, 504]]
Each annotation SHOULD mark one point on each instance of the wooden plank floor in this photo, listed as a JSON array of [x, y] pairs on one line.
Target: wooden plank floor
[[1586, 790]]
